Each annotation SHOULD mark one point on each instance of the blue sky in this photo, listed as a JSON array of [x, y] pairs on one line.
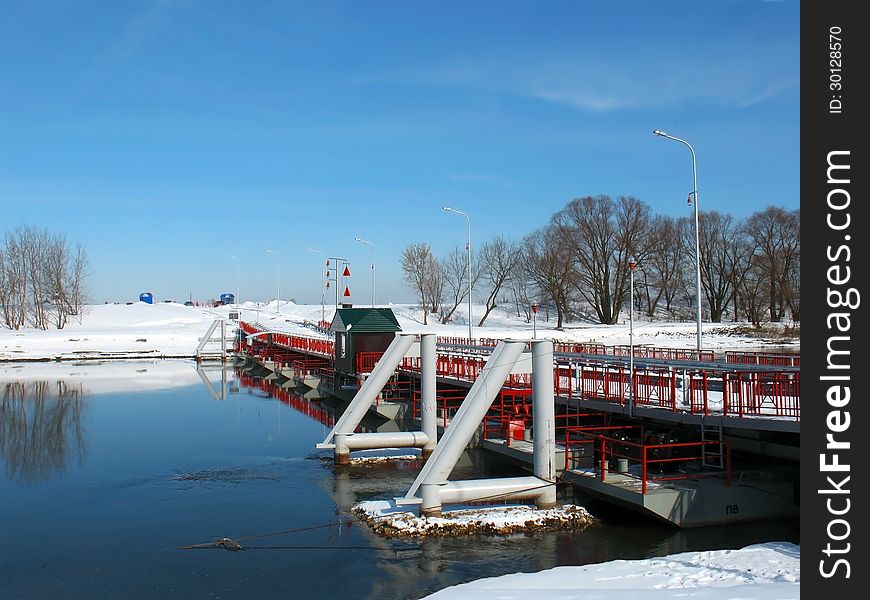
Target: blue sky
[[166, 137]]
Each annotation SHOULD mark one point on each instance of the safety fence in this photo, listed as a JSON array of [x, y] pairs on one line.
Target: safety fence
[[696, 391], [763, 358], [687, 387], [365, 361], [622, 450]]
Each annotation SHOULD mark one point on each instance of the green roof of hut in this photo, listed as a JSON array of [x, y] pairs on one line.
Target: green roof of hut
[[365, 320]]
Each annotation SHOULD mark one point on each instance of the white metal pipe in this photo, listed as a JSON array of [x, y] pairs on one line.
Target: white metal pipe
[[505, 488], [428, 402], [544, 419], [454, 441], [370, 389], [386, 439]]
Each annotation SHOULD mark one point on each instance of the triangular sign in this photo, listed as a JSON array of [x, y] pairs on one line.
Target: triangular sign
[[327, 262], [346, 272], [346, 292], [327, 284]]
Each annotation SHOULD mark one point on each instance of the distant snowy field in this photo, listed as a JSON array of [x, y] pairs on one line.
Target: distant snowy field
[[142, 330]]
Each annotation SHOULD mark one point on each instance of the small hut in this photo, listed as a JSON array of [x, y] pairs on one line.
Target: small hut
[[360, 331]]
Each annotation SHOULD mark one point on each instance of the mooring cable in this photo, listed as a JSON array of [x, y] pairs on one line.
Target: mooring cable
[[235, 544]]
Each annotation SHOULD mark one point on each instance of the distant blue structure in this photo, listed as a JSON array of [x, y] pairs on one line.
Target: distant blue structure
[[228, 298], [146, 297]]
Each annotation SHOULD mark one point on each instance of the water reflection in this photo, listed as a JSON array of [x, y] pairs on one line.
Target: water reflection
[[127, 478], [42, 406], [40, 428]]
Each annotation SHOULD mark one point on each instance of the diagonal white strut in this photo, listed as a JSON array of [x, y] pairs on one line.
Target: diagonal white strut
[[371, 387], [473, 409]]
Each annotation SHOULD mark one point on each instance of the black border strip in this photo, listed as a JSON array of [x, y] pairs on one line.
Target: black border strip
[[830, 123]]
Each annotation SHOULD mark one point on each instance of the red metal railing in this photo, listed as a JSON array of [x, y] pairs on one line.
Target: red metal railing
[[366, 361], [763, 358], [695, 390], [446, 405], [656, 462]]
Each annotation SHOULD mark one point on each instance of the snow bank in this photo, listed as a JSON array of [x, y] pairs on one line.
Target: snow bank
[[168, 329], [769, 571]]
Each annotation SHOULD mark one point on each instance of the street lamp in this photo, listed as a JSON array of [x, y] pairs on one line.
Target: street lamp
[[468, 247], [661, 133], [277, 280], [322, 306], [362, 241], [236, 259], [631, 265]]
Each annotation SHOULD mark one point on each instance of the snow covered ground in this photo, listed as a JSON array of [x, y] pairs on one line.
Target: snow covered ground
[[143, 330], [768, 571]]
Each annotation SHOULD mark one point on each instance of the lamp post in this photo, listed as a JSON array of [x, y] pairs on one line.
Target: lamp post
[[631, 265], [468, 247], [322, 306], [362, 241], [660, 133], [277, 280], [236, 259]]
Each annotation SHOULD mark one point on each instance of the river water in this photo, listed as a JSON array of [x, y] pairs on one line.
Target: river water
[[111, 470]]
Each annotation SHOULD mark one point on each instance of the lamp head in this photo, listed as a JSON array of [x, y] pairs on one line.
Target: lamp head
[[658, 132]]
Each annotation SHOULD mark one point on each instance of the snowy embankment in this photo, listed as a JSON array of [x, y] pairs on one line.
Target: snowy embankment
[[769, 571], [136, 330], [141, 330]]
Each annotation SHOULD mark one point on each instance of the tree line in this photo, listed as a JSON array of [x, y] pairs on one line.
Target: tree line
[[41, 279], [577, 266]]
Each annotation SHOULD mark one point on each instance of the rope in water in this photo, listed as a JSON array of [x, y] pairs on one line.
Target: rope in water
[[235, 544]]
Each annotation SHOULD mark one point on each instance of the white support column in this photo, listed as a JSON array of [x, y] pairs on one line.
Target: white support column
[[544, 420], [428, 383], [342, 452]]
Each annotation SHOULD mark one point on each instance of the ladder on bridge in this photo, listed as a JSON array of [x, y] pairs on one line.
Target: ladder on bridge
[[209, 339], [713, 455]]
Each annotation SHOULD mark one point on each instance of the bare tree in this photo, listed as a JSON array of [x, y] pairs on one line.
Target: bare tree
[[498, 260], [719, 242], [434, 287], [602, 235], [663, 271], [775, 234], [547, 262], [454, 273], [420, 269], [41, 278], [751, 292]]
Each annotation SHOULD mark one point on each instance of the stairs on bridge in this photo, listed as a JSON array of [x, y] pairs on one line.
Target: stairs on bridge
[[206, 348]]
